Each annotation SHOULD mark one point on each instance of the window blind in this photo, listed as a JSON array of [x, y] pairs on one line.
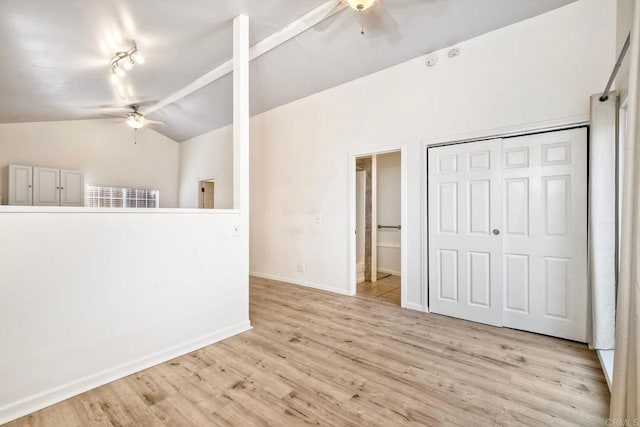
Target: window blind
[[121, 197]]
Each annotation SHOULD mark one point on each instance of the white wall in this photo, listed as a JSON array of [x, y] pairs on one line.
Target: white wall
[[204, 157], [522, 76], [389, 212], [102, 149], [75, 313]]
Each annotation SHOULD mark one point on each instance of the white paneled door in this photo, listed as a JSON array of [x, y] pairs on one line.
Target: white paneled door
[[465, 255], [545, 233], [530, 270]]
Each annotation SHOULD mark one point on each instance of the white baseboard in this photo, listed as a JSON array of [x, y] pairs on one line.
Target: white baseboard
[[49, 397], [300, 283], [414, 306], [389, 271]]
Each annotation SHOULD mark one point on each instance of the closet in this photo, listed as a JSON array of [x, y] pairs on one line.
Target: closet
[[39, 186], [508, 232]]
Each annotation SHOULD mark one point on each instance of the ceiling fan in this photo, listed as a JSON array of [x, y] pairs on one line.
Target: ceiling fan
[[135, 119], [373, 16]]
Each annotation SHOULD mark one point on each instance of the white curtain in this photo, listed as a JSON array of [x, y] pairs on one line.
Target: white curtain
[[602, 221], [625, 397]]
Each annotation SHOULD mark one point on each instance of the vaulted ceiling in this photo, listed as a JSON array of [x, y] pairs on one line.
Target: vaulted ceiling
[[54, 55]]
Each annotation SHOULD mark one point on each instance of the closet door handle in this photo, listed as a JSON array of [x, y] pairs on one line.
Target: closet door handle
[[496, 232]]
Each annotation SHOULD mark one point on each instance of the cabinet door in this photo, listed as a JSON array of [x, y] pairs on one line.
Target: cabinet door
[[46, 187], [71, 188], [20, 185]]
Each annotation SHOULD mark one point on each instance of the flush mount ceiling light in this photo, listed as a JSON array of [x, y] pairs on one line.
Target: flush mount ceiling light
[[360, 5], [124, 61]]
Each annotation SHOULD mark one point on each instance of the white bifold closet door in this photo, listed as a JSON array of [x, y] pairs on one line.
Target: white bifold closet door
[[508, 232], [465, 257]]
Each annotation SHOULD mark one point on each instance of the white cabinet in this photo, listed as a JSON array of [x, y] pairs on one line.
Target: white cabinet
[[71, 188], [40, 186], [46, 187], [20, 185]]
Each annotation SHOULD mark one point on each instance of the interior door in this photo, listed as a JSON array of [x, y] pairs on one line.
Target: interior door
[[46, 184], [545, 233], [465, 248], [20, 185], [71, 188]]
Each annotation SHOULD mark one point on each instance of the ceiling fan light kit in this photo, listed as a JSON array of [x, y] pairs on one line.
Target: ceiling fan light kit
[[124, 61], [135, 120], [360, 5]]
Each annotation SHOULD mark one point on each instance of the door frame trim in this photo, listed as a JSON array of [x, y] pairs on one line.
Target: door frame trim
[[351, 236], [550, 127]]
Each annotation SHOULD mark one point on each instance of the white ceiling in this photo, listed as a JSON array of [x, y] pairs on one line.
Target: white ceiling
[[55, 54]]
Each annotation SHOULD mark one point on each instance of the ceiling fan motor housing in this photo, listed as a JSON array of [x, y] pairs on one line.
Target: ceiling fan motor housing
[[360, 5]]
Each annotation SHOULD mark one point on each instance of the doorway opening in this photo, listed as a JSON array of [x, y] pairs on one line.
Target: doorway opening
[[378, 226], [206, 192]]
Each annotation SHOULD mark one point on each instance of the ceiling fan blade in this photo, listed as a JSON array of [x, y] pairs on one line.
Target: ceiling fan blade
[[406, 3], [127, 106], [111, 115], [330, 17], [378, 21], [339, 24], [154, 122]]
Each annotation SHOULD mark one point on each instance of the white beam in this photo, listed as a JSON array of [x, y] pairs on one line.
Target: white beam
[[195, 85], [295, 28]]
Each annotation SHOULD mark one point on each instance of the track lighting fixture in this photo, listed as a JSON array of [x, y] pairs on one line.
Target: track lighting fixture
[[123, 62]]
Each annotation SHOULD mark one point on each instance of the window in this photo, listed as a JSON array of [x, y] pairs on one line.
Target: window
[[121, 197]]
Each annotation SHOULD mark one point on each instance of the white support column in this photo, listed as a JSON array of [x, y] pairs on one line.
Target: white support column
[[241, 134], [241, 114]]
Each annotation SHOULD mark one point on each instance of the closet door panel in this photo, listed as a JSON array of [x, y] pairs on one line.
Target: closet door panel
[[465, 253], [546, 224]]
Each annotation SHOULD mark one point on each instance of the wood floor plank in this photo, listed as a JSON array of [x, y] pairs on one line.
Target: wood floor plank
[[314, 358]]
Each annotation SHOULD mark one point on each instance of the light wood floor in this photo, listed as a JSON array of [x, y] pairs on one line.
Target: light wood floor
[[319, 358], [386, 288]]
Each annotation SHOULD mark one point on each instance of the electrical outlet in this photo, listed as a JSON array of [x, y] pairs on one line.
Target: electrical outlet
[[302, 268]]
